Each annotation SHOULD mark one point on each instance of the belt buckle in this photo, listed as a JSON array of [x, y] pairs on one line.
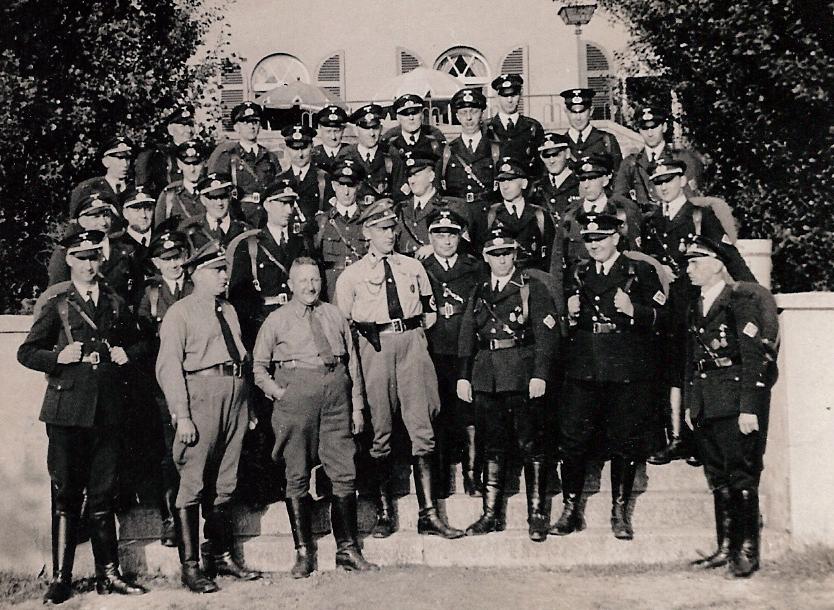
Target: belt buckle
[[723, 362], [397, 325], [492, 344], [470, 197], [597, 328], [282, 298], [237, 369], [699, 366], [447, 311], [94, 358]]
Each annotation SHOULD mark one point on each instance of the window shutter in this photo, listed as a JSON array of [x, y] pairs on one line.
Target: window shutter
[[331, 74], [407, 61], [599, 79], [231, 93], [515, 62]]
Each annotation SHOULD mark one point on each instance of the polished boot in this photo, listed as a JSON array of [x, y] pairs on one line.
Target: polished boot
[[723, 526], [535, 481], [63, 556], [300, 511], [470, 466], [573, 484], [384, 525], [622, 483], [345, 531], [218, 559], [492, 519], [188, 532], [430, 523], [106, 555], [168, 536], [746, 560]]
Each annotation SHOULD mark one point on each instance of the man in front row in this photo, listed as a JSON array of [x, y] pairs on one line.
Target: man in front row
[[317, 391]]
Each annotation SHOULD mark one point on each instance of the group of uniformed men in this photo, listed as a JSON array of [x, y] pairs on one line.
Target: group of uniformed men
[[478, 287]]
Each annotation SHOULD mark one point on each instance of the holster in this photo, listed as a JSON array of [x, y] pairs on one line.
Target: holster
[[370, 332]]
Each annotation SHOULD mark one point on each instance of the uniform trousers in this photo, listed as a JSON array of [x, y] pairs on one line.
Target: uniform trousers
[[506, 421], [209, 468], [312, 422], [731, 459], [454, 411], [400, 379]]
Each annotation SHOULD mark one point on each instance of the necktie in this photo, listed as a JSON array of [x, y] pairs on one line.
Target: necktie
[[395, 310], [600, 269], [513, 210], [448, 265], [177, 291], [89, 302], [281, 240], [319, 338], [701, 306], [496, 289], [145, 240], [368, 158], [651, 158], [471, 146], [510, 125], [553, 180], [119, 187], [579, 141], [666, 209], [228, 338], [412, 139]]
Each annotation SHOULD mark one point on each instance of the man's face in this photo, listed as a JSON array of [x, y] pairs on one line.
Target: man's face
[[592, 188], [300, 157], [211, 280], [84, 266], [579, 120], [305, 283], [248, 130], [703, 271], [669, 187], [278, 212], [420, 181], [445, 242], [469, 119], [512, 189], [116, 168], [345, 193], [501, 262], [180, 133], [217, 206], [331, 136], [410, 122], [602, 249], [382, 238], [191, 172], [139, 217], [508, 104], [170, 268], [653, 136], [555, 162], [97, 221], [368, 136]]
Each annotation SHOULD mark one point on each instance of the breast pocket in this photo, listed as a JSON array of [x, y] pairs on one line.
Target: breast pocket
[[56, 390]]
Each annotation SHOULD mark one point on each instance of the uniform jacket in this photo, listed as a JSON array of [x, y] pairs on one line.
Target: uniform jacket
[[175, 200], [522, 142], [489, 316], [200, 233], [598, 142], [666, 239], [414, 229], [339, 240], [79, 394], [155, 169], [632, 180], [97, 185], [627, 355], [310, 189], [555, 199], [156, 299], [458, 182], [535, 243], [452, 289], [322, 160], [250, 173], [378, 173], [431, 140]]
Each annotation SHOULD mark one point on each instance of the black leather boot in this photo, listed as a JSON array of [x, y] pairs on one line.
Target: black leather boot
[[188, 530], [345, 531], [217, 553], [384, 525], [535, 481], [573, 484], [300, 511], [470, 466], [723, 526], [622, 483], [167, 508], [430, 523], [675, 450], [746, 561], [106, 554], [63, 556], [492, 519]]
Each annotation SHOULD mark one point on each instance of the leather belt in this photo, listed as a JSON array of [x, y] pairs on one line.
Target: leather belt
[[711, 364], [497, 344], [92, 358], [218, 370], [279, 299], [449, 309], [300, 364], [602, 328], [400, 325]]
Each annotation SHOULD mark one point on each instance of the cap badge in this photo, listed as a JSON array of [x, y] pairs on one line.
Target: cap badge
[[296, 136], [587, 167], [498, 241], [215, 184], [467, 97], [507, 83], [186, 113], [370, 116], [506, 167], [168, 244], [347, 172], [248, 112], [592, 226], [191, 152], [86, 244], [333, 116], [288, 190], [577, 100]]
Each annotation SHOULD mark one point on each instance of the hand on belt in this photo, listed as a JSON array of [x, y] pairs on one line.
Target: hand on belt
[[400, 325], [92, 358]]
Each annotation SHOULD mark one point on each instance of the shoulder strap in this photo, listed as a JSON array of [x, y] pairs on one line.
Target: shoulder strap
[[252, 248], [491, 214], [153, 299], [495, 152], [63, 313], [447, 154], [606, 137], [322, 182], [524, 291], [697, 215], [389, 164], [235, 158], [539, 213]]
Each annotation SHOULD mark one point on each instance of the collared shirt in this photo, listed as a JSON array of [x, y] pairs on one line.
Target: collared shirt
[[225, 223], [347, 211], [598, 205], [249, 147], [505, 118], [94, 292], [558, 179], [300, 172], [118, 186], [364, 152], [189, 186], [709, 295], [330, 152], [105, 248], [190, 339], [446, 263], [518, 204], [360, 289], [420, 202], [471, 140], [278, 233], [502, 281], [653, 154], [574, 134], [605, 266], [140, 238], [412, 138], [671, 209], [174, 285]]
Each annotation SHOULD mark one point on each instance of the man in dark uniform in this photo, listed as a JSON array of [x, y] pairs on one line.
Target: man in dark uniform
[[508, 339], [137, 211], [215, 192], [554, 190], [340, 240], [410, 136], [633, 178], [180, 198], [387, 296], [117, 159], [519, 136], [453, 276], [309, 181], [317, 391], [200, 370], [615, 307], [78, 338], [367, 151], [331, 121], [157, 167], [585, 139], [730, 370]]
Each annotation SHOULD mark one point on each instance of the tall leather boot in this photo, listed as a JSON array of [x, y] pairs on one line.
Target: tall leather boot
[[470, 466], [746, 560], [384, 525], [300, 511], [106, 555], [167, 508], [622, 483], [187, 521], [535, 481], [217, 555], [573, 484], [723, 526], [492, 519], [64, 538], [430, 523], [345, 531]]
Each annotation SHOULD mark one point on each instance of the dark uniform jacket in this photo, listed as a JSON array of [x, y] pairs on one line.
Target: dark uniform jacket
[[322, 160], [414, 229], [598, 142], [469, 175], [534, 232], [310, 190], [431, 141], [377, 180], [340, 240], [199, 233], [452, 289], [728, 333], [175, 200], [156, 299], [573, 248], [522, 142], [155, 169], [555, 199], [632, 180], [79, 394], [666, 239], [97, 185], [250, 173], [495, 317], [626, 353]]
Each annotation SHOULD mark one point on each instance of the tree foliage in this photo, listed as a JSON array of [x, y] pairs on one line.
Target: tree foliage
[[755, 80], [71, 75]]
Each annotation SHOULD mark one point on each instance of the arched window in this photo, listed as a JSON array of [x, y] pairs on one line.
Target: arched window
[[598, 72], [465, 64], [278, 69]]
